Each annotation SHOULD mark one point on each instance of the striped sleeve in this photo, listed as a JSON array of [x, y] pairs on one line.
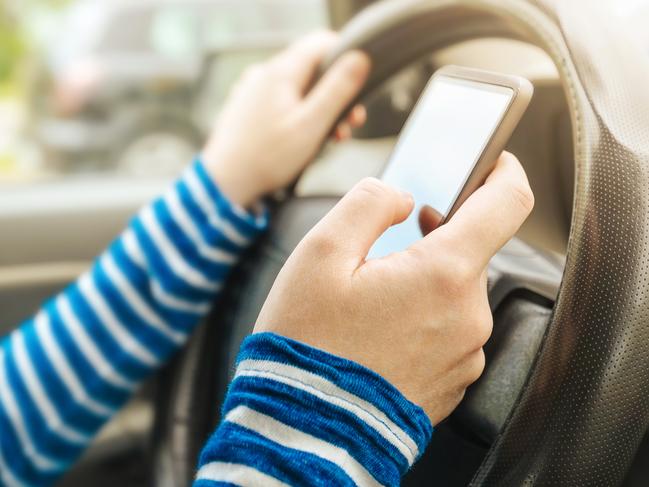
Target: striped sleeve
[[295, 415], [67, 370]]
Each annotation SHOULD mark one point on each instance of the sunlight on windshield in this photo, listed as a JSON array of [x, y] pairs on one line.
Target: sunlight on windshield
[[117, 86]]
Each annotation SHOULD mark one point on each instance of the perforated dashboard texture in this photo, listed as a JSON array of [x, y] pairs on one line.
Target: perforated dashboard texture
[[585, 406]]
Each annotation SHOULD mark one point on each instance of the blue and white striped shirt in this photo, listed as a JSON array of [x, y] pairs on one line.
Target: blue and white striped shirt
[[293, 414]]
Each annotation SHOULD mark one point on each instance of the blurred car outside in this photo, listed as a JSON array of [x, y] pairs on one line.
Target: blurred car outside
[[134, 87]]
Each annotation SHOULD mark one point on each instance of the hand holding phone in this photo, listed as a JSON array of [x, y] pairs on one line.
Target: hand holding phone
[[450, 144]]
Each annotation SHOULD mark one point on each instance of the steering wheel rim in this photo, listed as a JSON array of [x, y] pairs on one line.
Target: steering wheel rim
[[584, 408]]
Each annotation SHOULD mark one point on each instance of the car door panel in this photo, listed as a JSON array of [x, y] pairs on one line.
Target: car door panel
[[50, 233]]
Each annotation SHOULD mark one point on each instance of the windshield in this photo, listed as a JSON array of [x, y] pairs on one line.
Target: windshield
[[127, 87], [79, 32]]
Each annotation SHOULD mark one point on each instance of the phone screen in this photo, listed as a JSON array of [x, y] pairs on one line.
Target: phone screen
[[439, 146]]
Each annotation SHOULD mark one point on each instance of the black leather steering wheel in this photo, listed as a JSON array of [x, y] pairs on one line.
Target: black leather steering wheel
[[584, 406]]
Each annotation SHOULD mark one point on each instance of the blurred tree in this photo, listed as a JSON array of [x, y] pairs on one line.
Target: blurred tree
[[13, 44]]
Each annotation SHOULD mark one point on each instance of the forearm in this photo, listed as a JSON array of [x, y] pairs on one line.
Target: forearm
[[298, 416], [66, 371]]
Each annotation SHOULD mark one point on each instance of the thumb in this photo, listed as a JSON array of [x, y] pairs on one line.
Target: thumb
[[361, 217], [336, 90]]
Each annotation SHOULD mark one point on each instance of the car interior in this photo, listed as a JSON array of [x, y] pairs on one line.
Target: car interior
[[564, 399]]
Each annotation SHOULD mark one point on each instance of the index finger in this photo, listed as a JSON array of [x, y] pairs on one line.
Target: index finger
[[490, 216]]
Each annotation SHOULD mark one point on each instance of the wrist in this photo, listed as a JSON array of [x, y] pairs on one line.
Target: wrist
[[249, 222], [236, 188], [226, 172]]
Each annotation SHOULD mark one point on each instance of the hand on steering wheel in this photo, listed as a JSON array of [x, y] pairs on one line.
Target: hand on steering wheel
[[270, 128]]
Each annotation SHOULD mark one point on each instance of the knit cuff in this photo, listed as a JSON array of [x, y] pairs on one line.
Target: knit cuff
[[344, 412]]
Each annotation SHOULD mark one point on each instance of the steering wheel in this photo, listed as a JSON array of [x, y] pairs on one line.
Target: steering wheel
[[582, 404]]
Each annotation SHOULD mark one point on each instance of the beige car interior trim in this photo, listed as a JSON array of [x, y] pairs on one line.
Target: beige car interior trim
[[16, 277]]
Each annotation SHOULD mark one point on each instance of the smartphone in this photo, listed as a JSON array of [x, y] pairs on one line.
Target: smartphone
[[450, 143]]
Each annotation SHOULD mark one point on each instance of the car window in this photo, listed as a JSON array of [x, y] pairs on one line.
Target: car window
[[235, 20], [117, 87], [126, 30], [175, 32], [80, 28]]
